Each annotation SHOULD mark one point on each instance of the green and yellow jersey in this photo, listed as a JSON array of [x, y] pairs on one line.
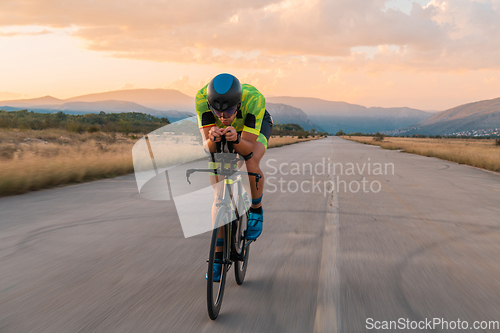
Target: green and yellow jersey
[[248, 119]]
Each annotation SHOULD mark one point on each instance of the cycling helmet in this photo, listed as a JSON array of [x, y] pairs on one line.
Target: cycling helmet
[[224, 95]]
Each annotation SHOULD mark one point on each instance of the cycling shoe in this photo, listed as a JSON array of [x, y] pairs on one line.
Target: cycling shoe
[[217, 272], [254, 228]]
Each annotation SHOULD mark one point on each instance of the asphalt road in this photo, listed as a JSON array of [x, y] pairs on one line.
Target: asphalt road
[[422, 242]]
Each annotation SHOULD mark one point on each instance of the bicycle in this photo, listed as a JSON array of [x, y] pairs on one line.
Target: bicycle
[[235, 247]]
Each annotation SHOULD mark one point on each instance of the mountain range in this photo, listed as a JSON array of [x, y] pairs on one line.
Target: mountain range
[[135, 100], [335, 116], [472, 119], [322, 115], [285, 114]]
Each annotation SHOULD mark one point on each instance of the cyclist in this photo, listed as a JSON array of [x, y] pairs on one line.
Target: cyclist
[[236, 113]]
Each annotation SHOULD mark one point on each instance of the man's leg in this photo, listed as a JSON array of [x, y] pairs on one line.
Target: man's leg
[[255, 219], [216, 184], [253, 165]]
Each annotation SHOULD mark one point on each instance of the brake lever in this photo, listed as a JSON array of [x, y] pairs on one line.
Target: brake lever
[[188, 174]]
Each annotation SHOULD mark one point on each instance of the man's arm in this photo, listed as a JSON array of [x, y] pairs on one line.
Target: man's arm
[[255, 104], [211, 135], [247, 140]]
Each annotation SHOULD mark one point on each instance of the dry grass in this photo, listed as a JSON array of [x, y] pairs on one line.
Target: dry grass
[[481, 153], [277, 141], [32, 160]]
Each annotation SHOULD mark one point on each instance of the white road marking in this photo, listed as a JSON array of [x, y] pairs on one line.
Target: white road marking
[[328, 299]]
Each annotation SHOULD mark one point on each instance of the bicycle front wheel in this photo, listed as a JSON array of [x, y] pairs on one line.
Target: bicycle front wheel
[[215, 290], [241, 249]]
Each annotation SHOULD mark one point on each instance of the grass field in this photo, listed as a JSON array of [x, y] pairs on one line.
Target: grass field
[[276, 141], [32, 160], [481, 153]]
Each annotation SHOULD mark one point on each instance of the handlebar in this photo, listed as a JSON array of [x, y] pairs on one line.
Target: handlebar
[[223, 136], [225, 171], [257, 176]]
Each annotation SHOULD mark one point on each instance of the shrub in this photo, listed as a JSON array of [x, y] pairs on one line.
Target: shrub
[[497, 142], [7, 152], [112, 138], [75, 127], [93, 129], [379, 137]]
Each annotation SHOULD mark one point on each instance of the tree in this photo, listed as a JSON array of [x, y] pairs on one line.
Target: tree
[[340, 133], [125, 126]]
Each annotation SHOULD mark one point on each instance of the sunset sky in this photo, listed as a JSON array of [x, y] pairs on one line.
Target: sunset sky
[[427, 55]]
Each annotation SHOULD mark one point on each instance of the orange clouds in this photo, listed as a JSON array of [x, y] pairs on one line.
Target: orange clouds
[[359, 50], [14, 33], [444, 35]]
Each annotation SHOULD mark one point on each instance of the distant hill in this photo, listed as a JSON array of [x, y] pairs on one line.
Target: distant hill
[[285, 114], [108, 106], [156, 99], [334, 116], [485, 107], [120, 106], [95, 107], [10, 108], [24, 103], [159, 99], [468, 119]]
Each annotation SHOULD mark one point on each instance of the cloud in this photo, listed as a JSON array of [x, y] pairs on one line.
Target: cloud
[[444, 35], [182, 84], [127, 86], [7, 95], [20, 33]]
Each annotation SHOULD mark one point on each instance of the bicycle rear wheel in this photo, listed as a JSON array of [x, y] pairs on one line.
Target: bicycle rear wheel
[[215, 290], [242, 251]]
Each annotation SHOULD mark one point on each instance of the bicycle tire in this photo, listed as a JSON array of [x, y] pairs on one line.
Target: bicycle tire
[[240, 266], [215, 290]]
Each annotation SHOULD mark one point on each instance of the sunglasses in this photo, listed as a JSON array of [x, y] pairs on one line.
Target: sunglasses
[[227, 114]]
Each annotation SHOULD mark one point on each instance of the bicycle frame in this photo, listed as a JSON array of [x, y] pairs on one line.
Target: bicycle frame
[[229, 201], [232, 176], [226, 199]]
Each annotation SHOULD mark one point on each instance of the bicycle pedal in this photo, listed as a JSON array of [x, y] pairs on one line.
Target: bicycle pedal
[[224, 262], [237, 257]]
